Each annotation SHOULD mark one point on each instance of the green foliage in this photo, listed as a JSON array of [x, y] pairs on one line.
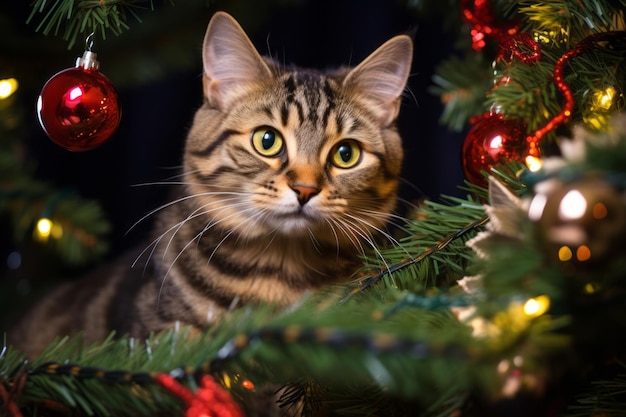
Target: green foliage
[[433, 253], [91, 16], [462, 92], [604, 396], [412, 358], [402, 339], [527, 92], [80, 227]]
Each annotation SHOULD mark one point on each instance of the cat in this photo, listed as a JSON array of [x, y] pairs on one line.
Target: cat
[[288, 173]]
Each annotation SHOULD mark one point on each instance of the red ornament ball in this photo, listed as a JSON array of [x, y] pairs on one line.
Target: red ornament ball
[[78, 108], [492, 140]]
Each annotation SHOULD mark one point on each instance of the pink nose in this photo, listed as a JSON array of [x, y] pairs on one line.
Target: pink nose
[[305, 192]]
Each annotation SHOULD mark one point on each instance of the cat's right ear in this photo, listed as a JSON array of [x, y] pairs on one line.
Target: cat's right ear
[[231, 62], [381, 78]]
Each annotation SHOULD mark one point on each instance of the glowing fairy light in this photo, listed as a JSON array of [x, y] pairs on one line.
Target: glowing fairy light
[[43, 229], [538, 203], [537, 306], [8, 86], [583, 253], [599, 211], [590, 288], [565, 254], [603, 99], [533, 163], [247, 384], [46, 228], [573, 205]]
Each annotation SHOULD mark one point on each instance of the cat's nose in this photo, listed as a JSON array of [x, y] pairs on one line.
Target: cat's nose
[[305, 192]]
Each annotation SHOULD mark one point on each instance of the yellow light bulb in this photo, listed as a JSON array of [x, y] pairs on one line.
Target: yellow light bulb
[[8, 86], [603, 99], [43, 229], [533, 163], [565, 254], [535, 307]]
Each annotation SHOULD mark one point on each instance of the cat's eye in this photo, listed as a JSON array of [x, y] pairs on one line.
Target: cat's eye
[[345, 154], [267, 141]]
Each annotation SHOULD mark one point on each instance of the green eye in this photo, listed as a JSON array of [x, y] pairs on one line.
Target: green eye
[[267, 141], [345, 154]]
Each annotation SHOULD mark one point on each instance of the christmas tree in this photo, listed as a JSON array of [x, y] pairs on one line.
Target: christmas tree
[[507, 299]]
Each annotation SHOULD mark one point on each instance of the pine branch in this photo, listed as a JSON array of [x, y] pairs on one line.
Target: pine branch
[[575, 19], [433, 253], [462, 92], [412, 356], [602, 396], [77, 227], [84, 17]]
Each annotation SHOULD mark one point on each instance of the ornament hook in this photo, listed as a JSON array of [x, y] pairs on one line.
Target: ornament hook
[[88, 60], [89, 41]]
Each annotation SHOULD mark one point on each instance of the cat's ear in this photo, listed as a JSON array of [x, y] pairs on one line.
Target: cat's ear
[[382, 76], [231, 62]]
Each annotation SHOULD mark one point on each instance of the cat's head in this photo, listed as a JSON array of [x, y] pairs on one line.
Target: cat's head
[[295, 151]]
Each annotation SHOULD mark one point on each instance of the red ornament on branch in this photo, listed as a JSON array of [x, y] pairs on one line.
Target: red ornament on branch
[[78, 107], [493, 140]]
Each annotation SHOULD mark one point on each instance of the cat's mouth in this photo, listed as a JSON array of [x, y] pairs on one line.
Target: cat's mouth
[[300, 213], [298, 218]]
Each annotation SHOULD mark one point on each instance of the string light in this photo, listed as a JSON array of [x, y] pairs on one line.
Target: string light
[[8, 86], [603, 99], [535, 307], [43, 229], [533, 163], [46, 228], [590, 288], [565, 254]]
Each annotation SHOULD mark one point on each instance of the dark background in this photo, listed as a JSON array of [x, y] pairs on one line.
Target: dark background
[[158, 102]]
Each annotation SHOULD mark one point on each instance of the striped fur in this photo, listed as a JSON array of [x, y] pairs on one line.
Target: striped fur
[[244, 227]]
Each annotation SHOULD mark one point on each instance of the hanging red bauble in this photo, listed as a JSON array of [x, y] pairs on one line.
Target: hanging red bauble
[[78, 107], [493, 140]]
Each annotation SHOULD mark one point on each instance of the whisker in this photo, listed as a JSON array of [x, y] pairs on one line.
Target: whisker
[[180, 200], [332, 228], [394, 220], [382, 232], [352, 236], [175, 227], [355, 226]]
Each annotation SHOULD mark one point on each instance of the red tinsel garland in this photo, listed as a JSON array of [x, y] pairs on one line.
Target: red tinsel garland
[[211, 400], [479, 14], [559, 80]]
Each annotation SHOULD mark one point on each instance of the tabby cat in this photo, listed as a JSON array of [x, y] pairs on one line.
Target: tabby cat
[[288, 174]]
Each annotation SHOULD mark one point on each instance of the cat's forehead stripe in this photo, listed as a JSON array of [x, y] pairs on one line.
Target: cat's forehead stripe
[[312, 95]]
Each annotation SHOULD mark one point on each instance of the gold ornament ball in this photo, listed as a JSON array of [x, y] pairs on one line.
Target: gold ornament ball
[[580, 223]]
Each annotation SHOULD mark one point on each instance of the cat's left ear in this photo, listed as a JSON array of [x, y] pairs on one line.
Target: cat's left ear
[[382, 76]]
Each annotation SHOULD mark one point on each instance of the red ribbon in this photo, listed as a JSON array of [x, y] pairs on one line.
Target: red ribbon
[[211, 400]]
